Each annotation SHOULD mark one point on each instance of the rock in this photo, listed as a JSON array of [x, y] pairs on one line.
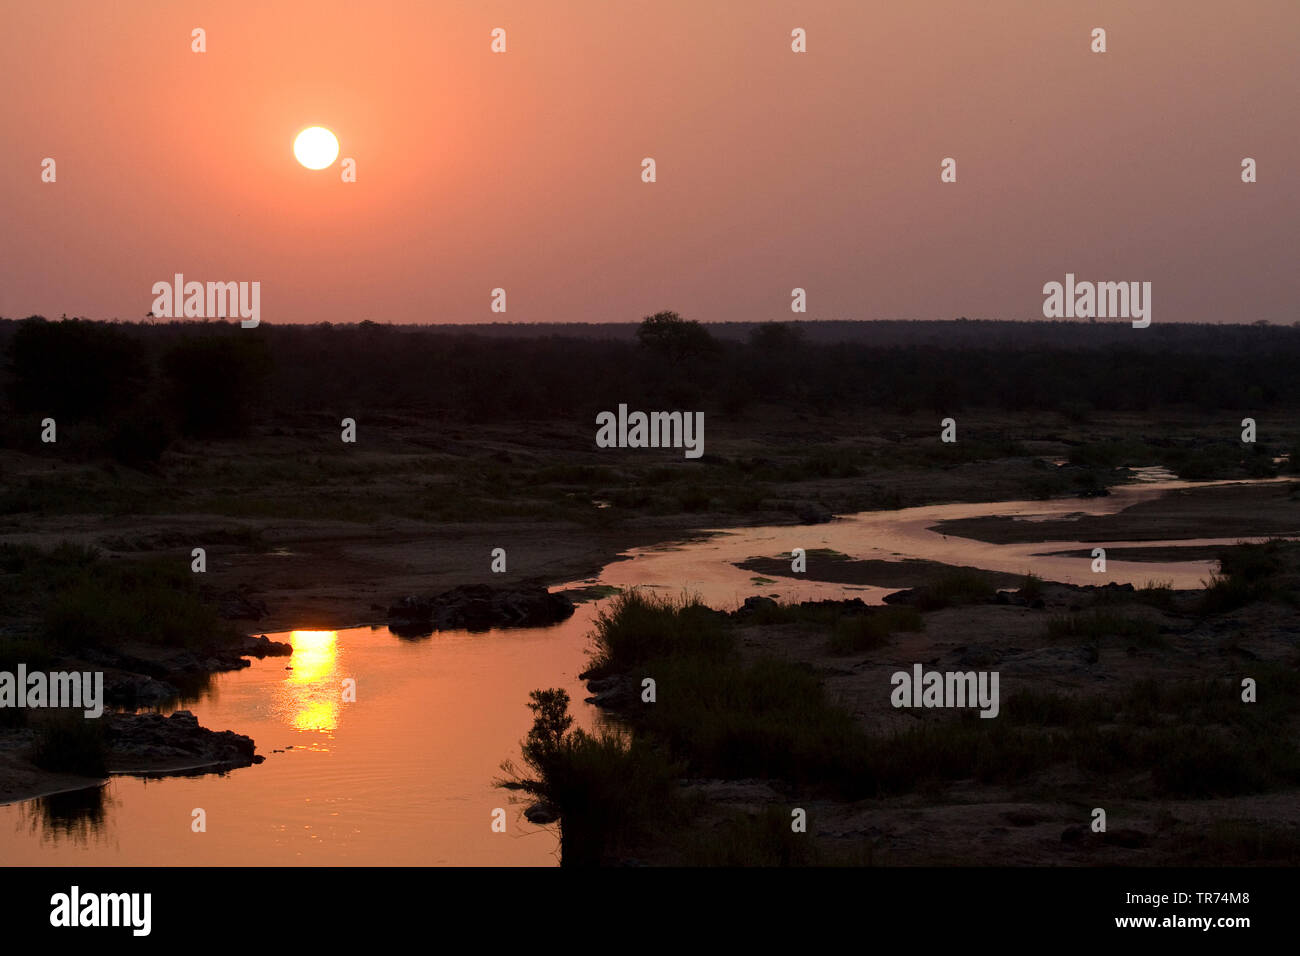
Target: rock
[[263, 646], [814, 514], [137, 690], [143, 740], [479, 607], [614, 693], [752, 606], [906, 597], [1049, 660], [541, 812]]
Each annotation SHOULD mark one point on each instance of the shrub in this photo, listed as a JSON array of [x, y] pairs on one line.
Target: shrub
[[638, 626], [71, 743]]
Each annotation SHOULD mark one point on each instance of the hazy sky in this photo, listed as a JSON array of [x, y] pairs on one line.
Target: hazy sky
[[522, 170]]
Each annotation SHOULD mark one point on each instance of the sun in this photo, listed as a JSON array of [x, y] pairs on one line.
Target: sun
[[316, 147]]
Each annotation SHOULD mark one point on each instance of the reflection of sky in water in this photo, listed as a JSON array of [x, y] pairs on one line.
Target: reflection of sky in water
[[407, 779], [706, 566], [310, 695]]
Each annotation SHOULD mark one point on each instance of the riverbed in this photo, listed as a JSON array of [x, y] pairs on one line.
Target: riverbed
[[405, 774]]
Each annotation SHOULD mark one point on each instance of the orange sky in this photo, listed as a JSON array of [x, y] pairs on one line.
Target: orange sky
[[775, 170]]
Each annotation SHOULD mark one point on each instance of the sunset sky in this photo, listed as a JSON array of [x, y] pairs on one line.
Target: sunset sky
[[522, 170]]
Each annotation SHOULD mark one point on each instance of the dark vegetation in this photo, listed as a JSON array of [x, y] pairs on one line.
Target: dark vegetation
[[210, 418], [68, 743], [78, 599], [1254, 572], [718, 715], [131, 389], [612, 788]]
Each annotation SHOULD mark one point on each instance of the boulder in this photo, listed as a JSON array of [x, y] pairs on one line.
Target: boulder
[[754, 605], [479, 607], [137, 690], [541, 812], [263, 646]]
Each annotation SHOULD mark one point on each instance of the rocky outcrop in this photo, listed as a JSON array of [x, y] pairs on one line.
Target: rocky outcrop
[[165, 664], [541, 812], [758, 607], [150, 742], [814, 514], [613, 693], [263, 646], [479, 607], [122, 689]]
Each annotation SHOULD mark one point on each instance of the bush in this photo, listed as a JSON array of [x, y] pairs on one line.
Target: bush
[[638, 626], [151, 601], [607, 788], [1247, 573], [71, 743]]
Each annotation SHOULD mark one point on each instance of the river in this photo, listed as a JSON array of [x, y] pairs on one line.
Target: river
[[404, 775]]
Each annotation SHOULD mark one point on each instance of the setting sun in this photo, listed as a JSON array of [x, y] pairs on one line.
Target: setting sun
[[316, 147]]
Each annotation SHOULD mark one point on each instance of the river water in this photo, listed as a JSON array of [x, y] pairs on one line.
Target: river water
[[405, 774]]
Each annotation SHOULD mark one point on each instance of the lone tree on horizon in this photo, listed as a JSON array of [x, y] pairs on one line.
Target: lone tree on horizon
[[676, 338]]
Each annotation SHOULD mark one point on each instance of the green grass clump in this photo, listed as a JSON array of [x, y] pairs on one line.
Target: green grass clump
[[638, 626]]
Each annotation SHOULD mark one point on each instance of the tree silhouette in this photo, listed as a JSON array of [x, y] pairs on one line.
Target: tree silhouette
[[669, 335]]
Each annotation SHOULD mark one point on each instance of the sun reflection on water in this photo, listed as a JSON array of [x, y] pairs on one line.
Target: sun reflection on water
[[312, 689]]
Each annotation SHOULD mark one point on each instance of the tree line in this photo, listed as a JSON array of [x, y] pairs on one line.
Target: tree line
[[140, 386]]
